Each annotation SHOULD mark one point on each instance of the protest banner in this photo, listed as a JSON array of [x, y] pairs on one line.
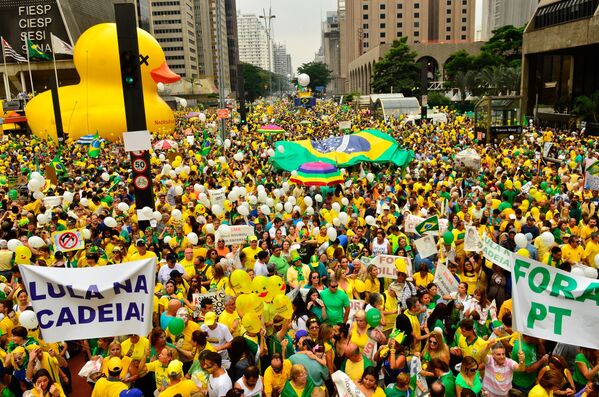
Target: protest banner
[[345, 386], [426, 246], [69, 240], [552, 304], [387, 268], [411, 221], [496, 254], [445, 281], [370, 349], [472, 241], [217, 197], [92, 302], [237, 234]]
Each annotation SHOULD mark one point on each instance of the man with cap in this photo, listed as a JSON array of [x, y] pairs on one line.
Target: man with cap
[[142, 252], [112, 385], [218, 335], [298, 273], [178, 384], [164, 274], [250, 253]]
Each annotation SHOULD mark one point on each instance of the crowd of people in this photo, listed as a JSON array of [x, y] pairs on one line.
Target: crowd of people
[[320, 246]]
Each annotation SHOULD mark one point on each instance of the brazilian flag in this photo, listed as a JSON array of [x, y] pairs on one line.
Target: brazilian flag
[[95, 147], [56, 163], [428, 225], [35, 52], [343, 151]]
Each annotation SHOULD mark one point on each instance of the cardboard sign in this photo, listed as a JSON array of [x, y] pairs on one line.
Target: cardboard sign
[[426, 246], [237, 234], [446, 282], [472, 241], [69, 240], [387, 268]]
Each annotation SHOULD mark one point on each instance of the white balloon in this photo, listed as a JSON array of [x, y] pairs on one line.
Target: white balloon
[[345, 201], [176, 214], [285, 186], [167, 168], [270, 202], [86, 233], [296, 208], [288, 207], [28, 319], [243, 210], [308, 201], [172, 174], [252, 199], [222, 159], [238, 174], [370, 220], [157, 215], [183, 102], [281, 149], [42, 219], [167, 239], [147, 212], [202, 117], [294, 173], [36, 175], [38, 195], [276, 193], [332, 234], [303, 79], [344, 218], [105, 176], [520, 240], [310, 211], [318, 198], [590, 272], [211, 163], [162, 157], [265, 210], [217, 210], [186, 169], [233, 196], [192, 238], [243, 191], [202, 198], [300, 225], [370, 177], [179, 190], [279, 207], [238, 156], [262, 196], [160, 86], [270, 152], [336, 222], [197, 188], [110, 222], [123, 207], [209, 228], [224, 229], [292, 200], [178, 170], [13, 244], [36, 242], [548, 239], [84, 202], [68, 196], [336, 207], [34, 185], [227, 143], [316, 231]]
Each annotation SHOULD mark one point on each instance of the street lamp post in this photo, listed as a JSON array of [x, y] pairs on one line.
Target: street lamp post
[[267, 23]]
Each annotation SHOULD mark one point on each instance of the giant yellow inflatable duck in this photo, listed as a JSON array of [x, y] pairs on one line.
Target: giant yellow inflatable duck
[[96, 103]]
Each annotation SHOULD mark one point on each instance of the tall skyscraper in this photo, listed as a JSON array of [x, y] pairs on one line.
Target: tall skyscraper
[[281, 60], [499, 13], [232, 42], [331, 48], [253, 41], [173, 25]]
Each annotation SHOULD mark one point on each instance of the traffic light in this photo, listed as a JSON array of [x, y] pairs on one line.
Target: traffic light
[[129, 68]]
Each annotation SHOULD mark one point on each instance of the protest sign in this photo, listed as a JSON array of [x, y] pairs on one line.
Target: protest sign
[[345, 386], [354, 306], [472, 240], [387, 268], [411, 221], [217, 197], [218, 300], [426, 246], [552, 304], [496, 254], [237, 234], [370, 349], [69, 240], [446, 282], [417, 381], [591, 174], [92, 302]]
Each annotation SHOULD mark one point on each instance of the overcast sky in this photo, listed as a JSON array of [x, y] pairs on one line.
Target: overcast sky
[[297, 24]]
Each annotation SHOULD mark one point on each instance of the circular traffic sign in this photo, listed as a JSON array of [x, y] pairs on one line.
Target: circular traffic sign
[[141, 182], [140, 165], [138, 153], [68, 240]]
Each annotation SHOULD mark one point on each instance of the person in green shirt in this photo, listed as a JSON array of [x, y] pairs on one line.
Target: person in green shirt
[[280, 262], [532, 348], [586, 368], [336, 303], [441, 371], [400, 387]]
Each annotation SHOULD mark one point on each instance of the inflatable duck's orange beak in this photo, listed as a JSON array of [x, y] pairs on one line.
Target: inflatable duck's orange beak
[[163, 74]]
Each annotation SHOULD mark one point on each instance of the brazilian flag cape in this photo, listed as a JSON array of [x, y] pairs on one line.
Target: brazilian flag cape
[[343, 151]]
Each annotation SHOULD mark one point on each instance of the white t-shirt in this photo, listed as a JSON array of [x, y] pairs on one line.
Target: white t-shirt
[[164, 274], [260, 269], [218, 337], [255, 392], [218, 387]]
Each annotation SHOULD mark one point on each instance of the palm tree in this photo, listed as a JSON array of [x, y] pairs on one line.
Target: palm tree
[[508, 79], [193, 80], [488, 79], [587, 107], [465, 82]]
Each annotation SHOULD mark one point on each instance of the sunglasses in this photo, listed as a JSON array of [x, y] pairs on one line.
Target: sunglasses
[[315, 327], [333, 286], [471, 370], [315, 277]]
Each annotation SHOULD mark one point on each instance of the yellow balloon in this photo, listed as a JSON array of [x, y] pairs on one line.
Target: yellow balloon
[[22, 255], [260, 288], [283, 306], [523, 252], [508, 184], [276, 286], [401, 265], [240, 282], [96, 102], [518, 185], [251, 322]]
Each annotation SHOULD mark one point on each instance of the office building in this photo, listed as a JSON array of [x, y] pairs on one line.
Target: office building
[[253, 41], [281, 60], [331, 49], [499, 13]]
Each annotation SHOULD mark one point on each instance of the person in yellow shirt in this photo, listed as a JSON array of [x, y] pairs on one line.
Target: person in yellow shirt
[[298, 274], [159, 367], [422, 278], [276, 375], [591, 250], [142, 252], [188, 262], [250, 253], [230, 317], [573, 252], [550, 382], [469, 344], [179, 386], [184, 342], [135, 346]]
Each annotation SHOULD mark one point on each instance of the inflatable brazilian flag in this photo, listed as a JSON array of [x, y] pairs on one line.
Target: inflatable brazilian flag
[[343, 151]]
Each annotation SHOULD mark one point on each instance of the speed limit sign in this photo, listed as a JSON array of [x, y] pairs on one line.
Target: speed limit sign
[[140, 165], [141, 182]]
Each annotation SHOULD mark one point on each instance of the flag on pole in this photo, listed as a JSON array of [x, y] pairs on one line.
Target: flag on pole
[[95, 147], [60, 47], [56, 163], [10, 52], [428, 225], [35, 52]]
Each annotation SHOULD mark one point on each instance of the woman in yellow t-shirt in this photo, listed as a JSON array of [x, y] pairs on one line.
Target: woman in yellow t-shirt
[[359, 334], [549, 383], [368, 383]]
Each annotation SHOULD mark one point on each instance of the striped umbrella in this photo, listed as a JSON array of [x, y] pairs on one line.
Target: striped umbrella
[[317, 173], [271, 129], [165, 144]]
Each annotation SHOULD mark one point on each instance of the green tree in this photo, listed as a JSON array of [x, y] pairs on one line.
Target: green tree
[[437, 99], [465, 82], [320, 75], [460, 61], [398, 69], [506, 45], [194, 81], [587, 108], [255, 79]]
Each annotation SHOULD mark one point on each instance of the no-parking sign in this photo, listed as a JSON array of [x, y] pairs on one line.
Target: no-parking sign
[[69, 240]]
